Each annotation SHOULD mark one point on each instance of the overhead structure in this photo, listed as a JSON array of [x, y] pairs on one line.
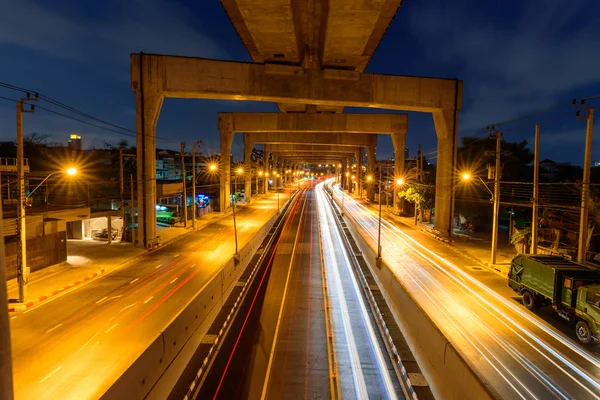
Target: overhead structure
[[308, 56]]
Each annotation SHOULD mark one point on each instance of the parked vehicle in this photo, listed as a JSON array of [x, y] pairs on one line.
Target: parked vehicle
[[572, 289]]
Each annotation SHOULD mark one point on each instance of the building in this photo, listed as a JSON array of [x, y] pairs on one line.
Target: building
[[74, 142]]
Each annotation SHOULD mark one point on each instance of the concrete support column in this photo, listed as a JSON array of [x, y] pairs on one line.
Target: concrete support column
[[372, 160], [267, 175], [399, 142], [359, 174], [343, 173], [349, 179], [445, 125], [148, 102], [109, 228], [248, 145], [225, 170]]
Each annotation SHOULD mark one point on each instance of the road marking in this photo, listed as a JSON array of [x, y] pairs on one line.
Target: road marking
[[125, 308], [176, 255], [50, 374], [88, 342], [134, 280], [13, 317], [158, 266], [148, 299], [101, 300], [193, 266], [174, 280], [111, 328], [57, 326]]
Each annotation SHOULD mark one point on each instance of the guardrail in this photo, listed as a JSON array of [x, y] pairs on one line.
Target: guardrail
[[449, 375]]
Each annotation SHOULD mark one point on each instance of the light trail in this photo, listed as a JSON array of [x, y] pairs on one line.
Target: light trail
[[440, 290], [333, 263]]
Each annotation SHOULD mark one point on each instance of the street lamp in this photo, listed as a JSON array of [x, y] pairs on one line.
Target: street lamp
[[212, 167], [22, 268], [238, 172]]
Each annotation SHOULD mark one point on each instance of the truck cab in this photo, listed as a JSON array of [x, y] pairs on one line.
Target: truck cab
[[588, 309]]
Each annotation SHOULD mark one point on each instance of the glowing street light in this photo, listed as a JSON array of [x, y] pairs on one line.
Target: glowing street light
[[466, 176], [369, 178], [71, 171], [212, 167], [400, 181]]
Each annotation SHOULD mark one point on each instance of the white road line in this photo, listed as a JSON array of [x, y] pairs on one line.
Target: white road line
[[88, 342], [158, 266], [134, 280], [193, 266], [101, 300], [13, 317], [125, 308], [50, 374], [148, 299], [176, 255], [57, 326], [111, 328], [174, 280]]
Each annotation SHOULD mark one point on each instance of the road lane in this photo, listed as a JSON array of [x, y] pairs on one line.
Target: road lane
[[517, 352], [103, 326]]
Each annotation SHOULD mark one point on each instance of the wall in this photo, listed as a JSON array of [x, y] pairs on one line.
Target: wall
[[42, 251]]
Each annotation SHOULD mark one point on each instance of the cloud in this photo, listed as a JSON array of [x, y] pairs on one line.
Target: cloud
[[514, 57], [103, 34]]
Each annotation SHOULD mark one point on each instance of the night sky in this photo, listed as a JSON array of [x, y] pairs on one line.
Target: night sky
[[515, 58]]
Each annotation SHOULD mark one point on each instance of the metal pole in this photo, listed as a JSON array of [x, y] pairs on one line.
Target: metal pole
[[234, 223], [536, 191], [132, 209], [122, 190], [585, 187], [22, 269], [194, 207], [343, 197], [184, 195], [379, 227], [6, 373], [496, 199]]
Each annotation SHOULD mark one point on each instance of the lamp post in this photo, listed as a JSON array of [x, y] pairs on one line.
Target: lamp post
[[238, 172], [466, 176], [22, 268]]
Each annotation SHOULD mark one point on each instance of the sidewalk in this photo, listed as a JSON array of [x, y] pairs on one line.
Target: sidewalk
[[475, 247], [88, 259]]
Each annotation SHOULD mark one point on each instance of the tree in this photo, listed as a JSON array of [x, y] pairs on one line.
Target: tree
[[423, 196]]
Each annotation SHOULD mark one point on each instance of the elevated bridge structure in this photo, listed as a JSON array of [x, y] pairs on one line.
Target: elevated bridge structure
[[309, 57]]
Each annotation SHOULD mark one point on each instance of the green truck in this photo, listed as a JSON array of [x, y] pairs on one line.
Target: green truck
[[572, 289]]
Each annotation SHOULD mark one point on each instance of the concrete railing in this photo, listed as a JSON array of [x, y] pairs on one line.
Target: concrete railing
[[156, 370], [447, 372]]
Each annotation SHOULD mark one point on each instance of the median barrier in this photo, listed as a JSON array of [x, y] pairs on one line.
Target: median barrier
[[156, 370], [447, 372]]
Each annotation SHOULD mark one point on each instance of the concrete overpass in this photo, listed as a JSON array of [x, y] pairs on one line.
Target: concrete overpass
[[307, 57]]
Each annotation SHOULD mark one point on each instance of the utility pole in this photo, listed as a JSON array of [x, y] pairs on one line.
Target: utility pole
[[379, 228], [184, 195], [234, 222], [132, 209], [194, 186], [122, 190], [419, 180], [536, 191], [22, 268], [585, 187], [496, 221]]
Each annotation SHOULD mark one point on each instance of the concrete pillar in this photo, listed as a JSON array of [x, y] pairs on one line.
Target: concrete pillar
[[349, 169], [359, 174], [372, 160], [445, 125], [268, 169], [248, 145], [148, 102], [399, 142], [109, 228], [225, 169]]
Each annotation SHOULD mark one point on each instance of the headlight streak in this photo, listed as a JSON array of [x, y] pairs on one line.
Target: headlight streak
[[366, 218], [327, 221]]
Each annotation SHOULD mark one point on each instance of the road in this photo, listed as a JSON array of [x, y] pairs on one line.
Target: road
[[77, 344], [281, 348], [517, 352], [364, 368]]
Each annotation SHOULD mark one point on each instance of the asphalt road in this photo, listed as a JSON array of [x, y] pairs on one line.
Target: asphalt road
[[77, 344], [519, 353]]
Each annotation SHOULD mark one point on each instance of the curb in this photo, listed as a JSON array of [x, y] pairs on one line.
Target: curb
[[436, 237], [31, 303]]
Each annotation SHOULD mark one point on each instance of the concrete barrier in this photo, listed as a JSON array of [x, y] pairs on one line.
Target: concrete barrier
[[448, 373], [156, 370]]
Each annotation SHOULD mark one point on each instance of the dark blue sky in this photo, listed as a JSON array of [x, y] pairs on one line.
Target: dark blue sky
[[515, 57]]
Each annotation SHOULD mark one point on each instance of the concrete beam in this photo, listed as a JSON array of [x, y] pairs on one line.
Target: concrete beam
[[309, 148], [337, 139], [325, 123], [189, 77]]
